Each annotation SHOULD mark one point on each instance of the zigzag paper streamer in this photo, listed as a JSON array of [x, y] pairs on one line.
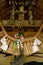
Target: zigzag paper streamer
[[3, 40], [35, 49], [4, 47], [37, 41]]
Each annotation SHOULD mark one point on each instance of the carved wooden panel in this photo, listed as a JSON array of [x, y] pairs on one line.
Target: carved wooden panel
[[22, 23]]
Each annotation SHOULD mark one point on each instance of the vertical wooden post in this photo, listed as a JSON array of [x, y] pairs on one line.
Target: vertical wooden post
[[12, 17]]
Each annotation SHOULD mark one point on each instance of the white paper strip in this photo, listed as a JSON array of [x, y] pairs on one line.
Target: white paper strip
[[3, 40], [4, 47], [35, 49], [37, 41]]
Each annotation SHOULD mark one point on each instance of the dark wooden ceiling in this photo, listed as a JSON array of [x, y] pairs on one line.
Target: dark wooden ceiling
[[5, 10]]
